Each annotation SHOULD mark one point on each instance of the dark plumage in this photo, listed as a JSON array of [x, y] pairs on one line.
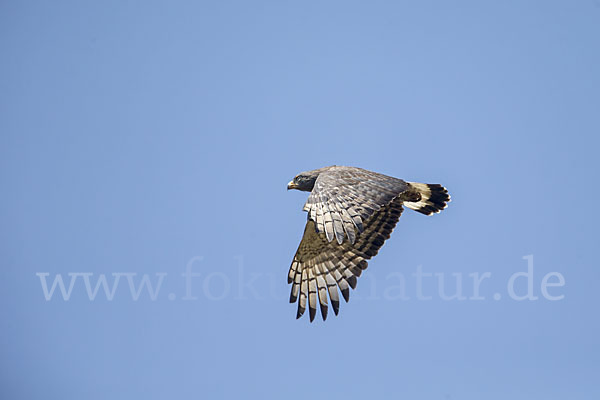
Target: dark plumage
[[359, 209]]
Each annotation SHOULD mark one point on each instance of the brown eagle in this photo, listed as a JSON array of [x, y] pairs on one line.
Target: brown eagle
[[351, 213]]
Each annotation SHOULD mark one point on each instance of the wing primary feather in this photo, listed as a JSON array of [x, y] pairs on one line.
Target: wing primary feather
[[293, 270], [340, 280], [312, 293], [322, 289], [331, 284], [348, 275], [296, 283], [303, 292], [333, 293]]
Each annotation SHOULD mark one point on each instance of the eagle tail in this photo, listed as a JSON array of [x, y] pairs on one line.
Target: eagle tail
[[434, 198]]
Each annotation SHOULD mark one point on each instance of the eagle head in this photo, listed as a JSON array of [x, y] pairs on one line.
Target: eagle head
[[304, 181]]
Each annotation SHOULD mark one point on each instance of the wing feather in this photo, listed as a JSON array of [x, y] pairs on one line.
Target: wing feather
[[347, 196], [322, 290], [312, 292], [338, 226], [303, 294], [321, 266]]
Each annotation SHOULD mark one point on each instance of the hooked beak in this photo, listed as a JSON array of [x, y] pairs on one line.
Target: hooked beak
[[291, 185]]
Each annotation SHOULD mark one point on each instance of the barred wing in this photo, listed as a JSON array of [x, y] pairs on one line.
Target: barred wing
[[343, 198], [321, 266]]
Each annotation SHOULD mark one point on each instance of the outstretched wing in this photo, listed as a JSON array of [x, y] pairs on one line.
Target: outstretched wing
[[343, 198], [321, 266]]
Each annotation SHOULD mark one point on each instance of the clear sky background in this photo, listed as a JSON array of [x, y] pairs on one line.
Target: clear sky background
[[139, 136]]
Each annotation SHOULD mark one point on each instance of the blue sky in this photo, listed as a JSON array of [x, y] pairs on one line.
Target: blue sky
[[145, 138]]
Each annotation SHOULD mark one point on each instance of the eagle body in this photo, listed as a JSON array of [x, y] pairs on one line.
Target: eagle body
[[351, 213]]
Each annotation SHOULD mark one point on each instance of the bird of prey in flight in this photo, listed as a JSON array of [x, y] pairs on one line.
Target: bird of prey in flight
[[351, 213]]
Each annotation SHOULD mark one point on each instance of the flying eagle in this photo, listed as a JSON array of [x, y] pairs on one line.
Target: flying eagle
[[351, 213]]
